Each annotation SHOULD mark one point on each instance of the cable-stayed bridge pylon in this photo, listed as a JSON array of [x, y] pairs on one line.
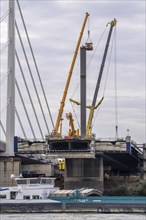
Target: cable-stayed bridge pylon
[[21, 87]]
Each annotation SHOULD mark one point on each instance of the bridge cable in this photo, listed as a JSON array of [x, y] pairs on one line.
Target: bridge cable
[[2, 128], [37, 70], [4, 47], [25, 108], [4, 15], [22, 73], [5, 105], [4, 77], [1, 51], [18, 117], [32, 80]]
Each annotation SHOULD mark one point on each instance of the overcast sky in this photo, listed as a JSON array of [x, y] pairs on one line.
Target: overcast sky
[[54, 28]]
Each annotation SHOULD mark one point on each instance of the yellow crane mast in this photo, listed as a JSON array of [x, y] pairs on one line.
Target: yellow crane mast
[[90, 118], [62, 104]]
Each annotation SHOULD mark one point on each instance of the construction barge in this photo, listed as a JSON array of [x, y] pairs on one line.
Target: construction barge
[[39, 195], [86, 205]]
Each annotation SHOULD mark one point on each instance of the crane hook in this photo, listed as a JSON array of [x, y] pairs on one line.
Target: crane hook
[[88, 43]]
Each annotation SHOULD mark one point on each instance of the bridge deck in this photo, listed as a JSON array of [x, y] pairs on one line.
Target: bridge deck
[[115, 153]]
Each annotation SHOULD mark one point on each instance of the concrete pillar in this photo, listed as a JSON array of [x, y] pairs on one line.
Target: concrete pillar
[[84, 173], [144, 162], [83, 90], [9, 166], [10, 122]]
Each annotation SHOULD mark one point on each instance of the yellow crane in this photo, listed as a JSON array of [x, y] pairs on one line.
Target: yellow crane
[[94, 105], [62, 104], [72, 132], [71, 123], [92, 108], [90, 118]]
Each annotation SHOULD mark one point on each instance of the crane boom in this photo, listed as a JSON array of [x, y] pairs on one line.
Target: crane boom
[[92, 108], [62, 104]]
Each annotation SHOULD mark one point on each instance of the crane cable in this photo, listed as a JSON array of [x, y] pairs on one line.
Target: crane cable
[[72, 105], [93, 54], [88, 38], [116, 95], [108, 66]]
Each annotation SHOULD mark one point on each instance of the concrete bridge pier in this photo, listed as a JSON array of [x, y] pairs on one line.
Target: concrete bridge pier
[[8, 166], [84, 173]]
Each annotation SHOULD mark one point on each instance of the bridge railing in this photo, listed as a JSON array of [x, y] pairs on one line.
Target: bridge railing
[[137, 147]]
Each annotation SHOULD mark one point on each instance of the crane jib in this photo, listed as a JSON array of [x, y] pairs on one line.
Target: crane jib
[[91, 114], [102, 67], [62, 104]]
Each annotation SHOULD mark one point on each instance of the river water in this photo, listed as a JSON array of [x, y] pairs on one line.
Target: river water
[[72, 216]]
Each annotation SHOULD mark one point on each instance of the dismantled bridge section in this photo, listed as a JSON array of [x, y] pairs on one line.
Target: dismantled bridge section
[[69, 145], [88, 161]]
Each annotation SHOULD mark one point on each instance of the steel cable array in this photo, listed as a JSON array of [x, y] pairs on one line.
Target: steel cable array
[[37, 70], [33, 81]]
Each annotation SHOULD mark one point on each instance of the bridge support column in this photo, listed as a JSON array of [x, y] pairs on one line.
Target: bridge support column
[[144, 162], [83, 91], [8, 166], [84, 172], [10, 123]]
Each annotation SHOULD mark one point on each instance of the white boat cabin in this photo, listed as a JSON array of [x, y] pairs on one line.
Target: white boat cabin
[[29, 188]]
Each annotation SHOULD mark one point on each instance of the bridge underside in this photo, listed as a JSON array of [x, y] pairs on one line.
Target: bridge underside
[[85, 164], [122, 163], [115, 155], [30, 159]]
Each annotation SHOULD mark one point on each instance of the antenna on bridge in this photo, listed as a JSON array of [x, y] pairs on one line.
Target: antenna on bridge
[[10, 123], [128, 132]]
